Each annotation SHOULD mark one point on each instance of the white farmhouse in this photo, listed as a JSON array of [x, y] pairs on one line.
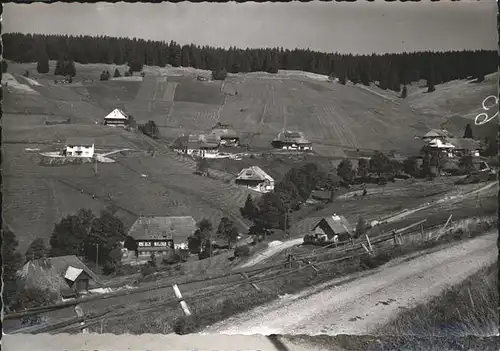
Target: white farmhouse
[[117, 118], [79, 147], [256, 179]]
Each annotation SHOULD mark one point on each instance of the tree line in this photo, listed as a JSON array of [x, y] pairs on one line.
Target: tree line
[[389, 70]]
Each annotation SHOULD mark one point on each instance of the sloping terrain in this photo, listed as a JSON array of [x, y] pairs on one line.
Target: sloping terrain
[[452, 104], [334, 117], [358, 306]]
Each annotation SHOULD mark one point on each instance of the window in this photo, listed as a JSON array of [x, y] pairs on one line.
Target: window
[[144, 243], [160, 243]]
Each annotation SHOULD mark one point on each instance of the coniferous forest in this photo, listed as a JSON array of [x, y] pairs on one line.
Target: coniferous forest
[[390, 70]]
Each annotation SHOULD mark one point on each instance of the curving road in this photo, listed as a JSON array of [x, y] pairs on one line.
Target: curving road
[[358, 306]]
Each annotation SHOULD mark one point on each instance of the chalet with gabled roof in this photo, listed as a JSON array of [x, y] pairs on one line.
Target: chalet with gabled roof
[[256, 179], [204, 146], [116, 118], [292, 140], [226, 134], [161, 234], [79, 147]]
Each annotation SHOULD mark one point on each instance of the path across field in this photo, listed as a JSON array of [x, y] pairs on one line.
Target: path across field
[[357, 307]]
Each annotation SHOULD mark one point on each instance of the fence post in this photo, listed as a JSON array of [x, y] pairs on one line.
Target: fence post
[[444, 227], [395, 238], [255, 286], [183, 303], [79, 313], [369, 243]]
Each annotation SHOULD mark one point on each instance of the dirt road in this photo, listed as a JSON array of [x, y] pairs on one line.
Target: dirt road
[[356, 307], [151, 342]]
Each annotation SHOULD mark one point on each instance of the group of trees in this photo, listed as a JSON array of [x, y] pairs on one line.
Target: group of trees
[[97, 239], [201, 242], [390, 70], [18, 296], [272, 209]]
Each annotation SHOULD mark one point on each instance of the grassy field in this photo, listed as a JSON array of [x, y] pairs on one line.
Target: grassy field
[[470, 308]]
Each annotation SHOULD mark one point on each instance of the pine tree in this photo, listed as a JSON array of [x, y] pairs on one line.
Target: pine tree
[[360, 227], [404, 93], [42, 65], [59, 70], [430, 86], [249, 210], [117, 73], [468, 132]]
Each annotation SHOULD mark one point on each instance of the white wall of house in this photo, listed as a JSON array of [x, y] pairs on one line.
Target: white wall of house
[[80, 151], [203, 153], [115, 122], [297, 147]]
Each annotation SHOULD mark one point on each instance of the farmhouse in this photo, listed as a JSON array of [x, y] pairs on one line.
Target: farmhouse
[[65, 276], [79, 147], [226, 134], [333, 228], [197, 145], [292, 140], [256, 179], [161, 234], [465, 147], [117, 118]]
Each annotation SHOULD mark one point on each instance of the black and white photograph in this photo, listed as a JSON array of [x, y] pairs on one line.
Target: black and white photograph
[[260, 170]]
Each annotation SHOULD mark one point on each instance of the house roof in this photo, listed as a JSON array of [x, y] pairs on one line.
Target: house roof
[[292, 137], [223, 131], [72, 273], [338, 224], [435, 133], [79, 141], [50, 273], [464, 143], [195, 141], [437, 143], [254, 173], [177, 228], [117, 114]]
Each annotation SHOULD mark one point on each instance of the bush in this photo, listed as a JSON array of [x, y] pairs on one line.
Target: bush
[[242, 251], [148, 270], [185, 325], [374, 261], [220, 74], [104, 76]]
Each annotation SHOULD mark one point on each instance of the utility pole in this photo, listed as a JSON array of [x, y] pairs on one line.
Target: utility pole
[[97, 258], [286, 218], [95, 165]]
